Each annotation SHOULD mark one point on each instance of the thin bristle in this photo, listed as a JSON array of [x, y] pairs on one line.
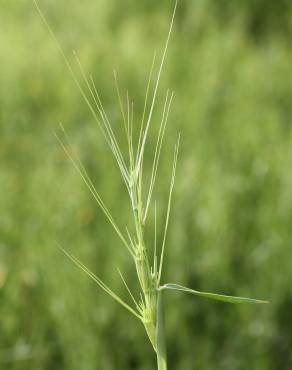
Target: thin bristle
[[129, 291], [93, 191], [104, 123], [168, 206], [158, 147], [145, 105], [120, 102], [100, 283], [155, 91]]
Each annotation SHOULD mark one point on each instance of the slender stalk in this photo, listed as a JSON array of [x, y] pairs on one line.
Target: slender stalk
[[160, 335]]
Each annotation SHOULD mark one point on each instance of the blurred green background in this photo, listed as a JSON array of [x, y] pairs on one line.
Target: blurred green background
[[229, 63]]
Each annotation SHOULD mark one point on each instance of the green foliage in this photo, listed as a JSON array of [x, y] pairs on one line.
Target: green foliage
[[215, 296], [230, 230]]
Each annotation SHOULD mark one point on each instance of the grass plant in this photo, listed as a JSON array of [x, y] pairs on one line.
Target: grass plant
[[148, 306]]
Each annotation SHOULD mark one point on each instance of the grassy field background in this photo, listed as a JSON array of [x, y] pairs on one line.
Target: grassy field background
[[230, 229]]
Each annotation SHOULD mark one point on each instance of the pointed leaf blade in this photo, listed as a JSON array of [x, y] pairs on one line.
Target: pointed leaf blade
[[215, 296]]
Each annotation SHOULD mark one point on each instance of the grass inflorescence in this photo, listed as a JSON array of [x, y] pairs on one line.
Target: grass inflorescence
[[148, 306]]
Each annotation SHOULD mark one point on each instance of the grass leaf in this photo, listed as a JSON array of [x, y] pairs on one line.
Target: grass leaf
[[218, 297]]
